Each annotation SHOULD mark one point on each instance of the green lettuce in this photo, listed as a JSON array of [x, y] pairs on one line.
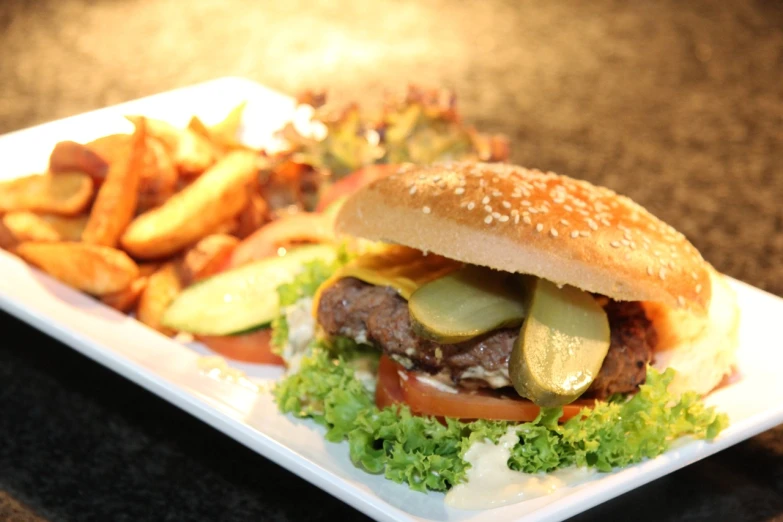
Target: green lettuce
[[311, 275], [427, 455]]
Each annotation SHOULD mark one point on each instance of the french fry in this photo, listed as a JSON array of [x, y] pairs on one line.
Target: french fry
[[69, 228], [115, 204], [195, 212], [66, 194], [207, 257], [26, 226], [162, 287], [192, 153], [94, 269], [70, 156], [125, 300]]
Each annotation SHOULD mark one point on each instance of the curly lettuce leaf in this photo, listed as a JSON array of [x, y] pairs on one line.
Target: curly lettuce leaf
[[427, 455], [304, 284]]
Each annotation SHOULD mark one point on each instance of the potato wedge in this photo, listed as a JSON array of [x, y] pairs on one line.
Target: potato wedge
[[161, 289], [7, 239], [192, 153], [94, 269], [69, 228], [207, 257], [125, 300], [158, 176], [253, 216], [195, 212], [70, 156], [226, 131], [27, 226], [115, 205], [66, 194], [147, 269]]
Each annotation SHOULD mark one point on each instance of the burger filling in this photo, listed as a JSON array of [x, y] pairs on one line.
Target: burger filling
[[380, 316]]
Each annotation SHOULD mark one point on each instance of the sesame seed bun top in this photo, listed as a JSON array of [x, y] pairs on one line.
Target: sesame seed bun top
[[522, 220]]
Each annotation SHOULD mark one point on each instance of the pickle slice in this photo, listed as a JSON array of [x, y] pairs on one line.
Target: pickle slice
[[562, 344], [467, 303]]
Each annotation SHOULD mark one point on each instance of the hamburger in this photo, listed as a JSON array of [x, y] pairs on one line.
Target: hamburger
[[498, 294]]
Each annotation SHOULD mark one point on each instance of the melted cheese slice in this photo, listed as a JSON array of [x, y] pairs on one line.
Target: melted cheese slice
[[402, 268]]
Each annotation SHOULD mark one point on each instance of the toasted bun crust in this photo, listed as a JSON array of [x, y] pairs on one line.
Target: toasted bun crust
[[520, 220], [701, 349]]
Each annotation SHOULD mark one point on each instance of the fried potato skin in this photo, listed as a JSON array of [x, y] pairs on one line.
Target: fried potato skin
[[115, 205], [161, 289], [66, 194], [207, 257], [94, 269], [196, 211]]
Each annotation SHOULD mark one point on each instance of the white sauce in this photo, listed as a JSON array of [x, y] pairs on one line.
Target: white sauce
[[217, 368], [496, 378], [301, 330], [363, 371], [491, 483], [438, 385]]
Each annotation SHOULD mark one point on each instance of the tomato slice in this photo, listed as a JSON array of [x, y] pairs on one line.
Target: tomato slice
[[465, 405], [252, 347], [352, 182], [302, 227], [388, 390]]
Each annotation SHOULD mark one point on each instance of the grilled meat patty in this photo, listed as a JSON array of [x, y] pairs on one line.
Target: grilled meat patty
[[378, 315]]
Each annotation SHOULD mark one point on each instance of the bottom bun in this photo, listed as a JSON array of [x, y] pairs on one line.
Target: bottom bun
[[702, 350]]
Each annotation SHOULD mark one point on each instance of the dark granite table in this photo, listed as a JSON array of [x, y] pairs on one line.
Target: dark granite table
[[678, 105]]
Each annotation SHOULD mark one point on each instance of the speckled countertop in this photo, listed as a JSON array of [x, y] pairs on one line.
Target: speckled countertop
[[677, 105]]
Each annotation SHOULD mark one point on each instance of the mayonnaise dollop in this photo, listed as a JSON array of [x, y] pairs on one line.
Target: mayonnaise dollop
[[491, 483]]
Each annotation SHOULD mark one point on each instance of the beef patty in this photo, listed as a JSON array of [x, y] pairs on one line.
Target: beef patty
[[378, 315]]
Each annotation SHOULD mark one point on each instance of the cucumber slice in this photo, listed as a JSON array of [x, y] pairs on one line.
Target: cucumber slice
[[240, 299]]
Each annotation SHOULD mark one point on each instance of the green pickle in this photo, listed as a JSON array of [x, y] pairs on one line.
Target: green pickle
[[562, 344], [467, 303]]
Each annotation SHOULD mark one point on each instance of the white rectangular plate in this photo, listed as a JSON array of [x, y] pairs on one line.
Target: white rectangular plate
[[170, 369]]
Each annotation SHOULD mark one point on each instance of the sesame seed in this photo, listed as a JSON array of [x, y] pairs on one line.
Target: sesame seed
[[553, 232], [488, 208], [516, 219], [650, 270], [471, 205], [698, 289], [496, 215], [503, 219], [485, 200], [527, 220], [568, 208], [615, 244], [625, 242], [584, 233], [694, 276], [681, 300], [506, 204], [514, 212], [565, 222], [426, 210], [606, 222], [436, 179], [575, 234], [662, 273], [539, 227], [488, 220], [525, 203], [413, 190], [459, 191]]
